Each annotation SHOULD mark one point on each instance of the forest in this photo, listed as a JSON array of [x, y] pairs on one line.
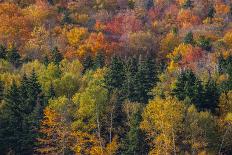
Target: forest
[[115, 77]]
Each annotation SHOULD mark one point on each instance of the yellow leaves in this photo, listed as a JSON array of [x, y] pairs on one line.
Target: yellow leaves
[[225, 103], [162, 118], [77, 35], [228, 38], [169, 42]]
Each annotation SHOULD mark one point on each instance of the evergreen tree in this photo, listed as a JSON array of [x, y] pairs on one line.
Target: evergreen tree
[[130, 74], [51, 93], [56, 56], [12, 133], [99, 61], [211, 12], [149, 4], [2, 52], [115, 77], [1, 90], [88, 63], [189, 87], [13, 56], [146, 79], [188, 39], [211, 96], [205, 43], [134, 143], [187, 4], [46, 60]]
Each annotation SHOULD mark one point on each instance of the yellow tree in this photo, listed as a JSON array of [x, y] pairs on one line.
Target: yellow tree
[[162, 120]]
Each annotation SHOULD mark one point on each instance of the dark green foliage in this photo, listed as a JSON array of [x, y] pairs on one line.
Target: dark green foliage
[[3, 52], [145, 79], [1, 90], [56, 56], [99, 60], [188, 4], [188, 86], [188, 39], [134, 143], [46, 60], [24, 108], [14, 57], [225, 67], [51, 93], [211, 12], [149, 4], [87, 63], [211, 96], [129, 85], [205, 43], [131, 4], [115, 77]]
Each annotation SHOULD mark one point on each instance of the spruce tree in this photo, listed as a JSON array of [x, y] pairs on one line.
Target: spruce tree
[[14, 57], [146, 79], [211, 12], [88, 63], [211, 96], [56, 56], [131, 69], [1, 90], [46, 60], [2, 52], [188, 86], [205, 43], [115, 77], [134, 143], [99, 60], [187, 4], [51, 93], [188, 39]]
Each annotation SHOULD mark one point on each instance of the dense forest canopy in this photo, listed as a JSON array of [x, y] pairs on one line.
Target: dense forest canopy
[[112, 77]]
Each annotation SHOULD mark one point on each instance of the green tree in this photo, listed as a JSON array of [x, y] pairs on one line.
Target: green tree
[[188, 39], [134, 143], [87, 63], [188, 86], [204, 43], [56, 56], [14, 57], [115, 76], [187, 4], [2, 52], [99, 60]]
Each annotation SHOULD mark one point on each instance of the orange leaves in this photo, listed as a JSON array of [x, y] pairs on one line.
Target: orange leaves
[[14, 26], [184, 56], [77, 35], [186, 18], [222, 9]]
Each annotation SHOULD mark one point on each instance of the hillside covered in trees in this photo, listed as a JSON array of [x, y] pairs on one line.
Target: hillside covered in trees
[[116, 77]]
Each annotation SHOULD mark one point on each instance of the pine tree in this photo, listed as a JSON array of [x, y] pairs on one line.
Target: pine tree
[[12, 133], [115, 77], [14, 57], [87, 63], [56, 56], [188, 39], [1, 90], [205, 43], [51, 93], [99, 60], [211, 96], [134, 143], [2, 52], [211, 12], [46, 60], [146, 79], [188, 86], [129, 84], [187, 4]]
